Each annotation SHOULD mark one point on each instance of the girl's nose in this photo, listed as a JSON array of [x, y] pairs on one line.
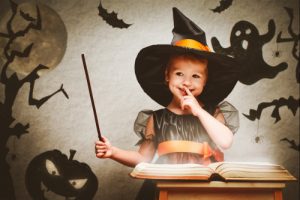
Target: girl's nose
[[186, 82]]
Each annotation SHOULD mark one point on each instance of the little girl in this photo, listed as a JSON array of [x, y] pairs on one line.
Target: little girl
[[190, 81]]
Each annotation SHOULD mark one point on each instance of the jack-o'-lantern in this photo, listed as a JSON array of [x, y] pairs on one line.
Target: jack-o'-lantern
[[52, 172]]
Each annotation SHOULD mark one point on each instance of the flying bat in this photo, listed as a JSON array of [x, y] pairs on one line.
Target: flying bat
[[224, 4], [291, 103], [111, 18], [292, 143]]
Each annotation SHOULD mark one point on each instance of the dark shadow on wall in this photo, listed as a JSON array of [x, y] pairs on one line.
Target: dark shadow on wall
[[52, 174], [224, 4], [12, 84], [111, 18], [293, 38], [291, 103], [246, 47]]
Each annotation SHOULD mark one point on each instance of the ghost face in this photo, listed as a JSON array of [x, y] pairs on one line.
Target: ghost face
[[244, 35]]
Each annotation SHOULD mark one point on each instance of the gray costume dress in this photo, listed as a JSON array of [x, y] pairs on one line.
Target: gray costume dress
[[171, 126]]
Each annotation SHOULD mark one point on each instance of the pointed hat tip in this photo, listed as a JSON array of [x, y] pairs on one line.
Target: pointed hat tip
[[186, 27], [175, 10], [177, 14]]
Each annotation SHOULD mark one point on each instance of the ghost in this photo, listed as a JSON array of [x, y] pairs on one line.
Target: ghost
[[247, 48]]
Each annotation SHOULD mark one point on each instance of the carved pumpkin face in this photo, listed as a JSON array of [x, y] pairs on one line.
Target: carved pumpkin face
[[53, 171]]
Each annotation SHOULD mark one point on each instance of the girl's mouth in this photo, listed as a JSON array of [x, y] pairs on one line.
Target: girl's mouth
[[183, 92]]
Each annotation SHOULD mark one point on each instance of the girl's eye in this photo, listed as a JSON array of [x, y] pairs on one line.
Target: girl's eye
[[179, 73], [196, 76]]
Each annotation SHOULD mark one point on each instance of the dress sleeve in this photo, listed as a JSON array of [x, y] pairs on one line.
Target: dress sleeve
[[231, 116], [140, 126]]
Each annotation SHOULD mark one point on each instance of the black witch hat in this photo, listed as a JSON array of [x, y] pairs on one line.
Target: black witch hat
[[188, 38]]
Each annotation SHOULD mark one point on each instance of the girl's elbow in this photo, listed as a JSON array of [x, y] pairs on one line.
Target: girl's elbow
[[226, 146], [227, 143]]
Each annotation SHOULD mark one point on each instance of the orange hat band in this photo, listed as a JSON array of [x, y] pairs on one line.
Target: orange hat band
[[193, 44]]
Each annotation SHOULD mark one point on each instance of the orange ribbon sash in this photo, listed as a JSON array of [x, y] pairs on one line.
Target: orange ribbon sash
[[183, 146]]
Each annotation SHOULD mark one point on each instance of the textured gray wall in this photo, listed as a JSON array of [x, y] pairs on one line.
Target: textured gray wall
[[110, 54]]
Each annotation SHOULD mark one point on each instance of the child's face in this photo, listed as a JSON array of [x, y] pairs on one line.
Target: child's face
[[184, 72]]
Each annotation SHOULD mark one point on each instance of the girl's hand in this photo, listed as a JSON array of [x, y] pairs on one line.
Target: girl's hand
[[190, 103], [103, 149]]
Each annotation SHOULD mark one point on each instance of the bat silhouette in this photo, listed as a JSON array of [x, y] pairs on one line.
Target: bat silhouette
[[224, 4], [292, 143], [291, 103], [26, 16], [111, 18]]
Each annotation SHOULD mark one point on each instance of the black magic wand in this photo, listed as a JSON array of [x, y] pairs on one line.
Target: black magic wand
[[91, 96]]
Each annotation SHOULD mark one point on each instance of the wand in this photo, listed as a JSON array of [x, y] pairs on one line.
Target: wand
[[91, 96]]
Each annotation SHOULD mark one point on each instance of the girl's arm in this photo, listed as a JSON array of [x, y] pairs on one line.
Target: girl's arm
[[214, 125], [129, 158], [216, 129]]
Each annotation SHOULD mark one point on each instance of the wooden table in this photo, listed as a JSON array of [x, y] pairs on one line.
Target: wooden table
[[218, 190]]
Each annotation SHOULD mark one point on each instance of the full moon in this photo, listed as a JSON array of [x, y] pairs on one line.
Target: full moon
[[49, 43]]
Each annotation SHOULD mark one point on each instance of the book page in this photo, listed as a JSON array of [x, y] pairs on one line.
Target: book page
[[172, 171], [252, 171], [246, 165]]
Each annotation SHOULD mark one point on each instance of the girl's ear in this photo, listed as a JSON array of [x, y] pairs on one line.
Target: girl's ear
[[166, 75]]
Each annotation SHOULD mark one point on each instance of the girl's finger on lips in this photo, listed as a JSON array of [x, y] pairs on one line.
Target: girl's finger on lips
[[187, 91]]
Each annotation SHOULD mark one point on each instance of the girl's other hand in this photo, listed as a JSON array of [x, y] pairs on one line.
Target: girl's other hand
[[190, 103], [103, 149]]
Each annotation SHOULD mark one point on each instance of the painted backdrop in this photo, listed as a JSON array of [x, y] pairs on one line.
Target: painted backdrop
[[47, 129]]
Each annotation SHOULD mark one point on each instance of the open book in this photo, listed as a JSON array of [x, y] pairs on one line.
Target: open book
[[226, 171]]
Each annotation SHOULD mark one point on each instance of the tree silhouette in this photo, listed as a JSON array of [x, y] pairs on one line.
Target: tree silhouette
[[294, 37], [12, 84]]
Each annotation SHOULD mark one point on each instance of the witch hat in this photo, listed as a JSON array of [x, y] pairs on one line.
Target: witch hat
[[188, 38]]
